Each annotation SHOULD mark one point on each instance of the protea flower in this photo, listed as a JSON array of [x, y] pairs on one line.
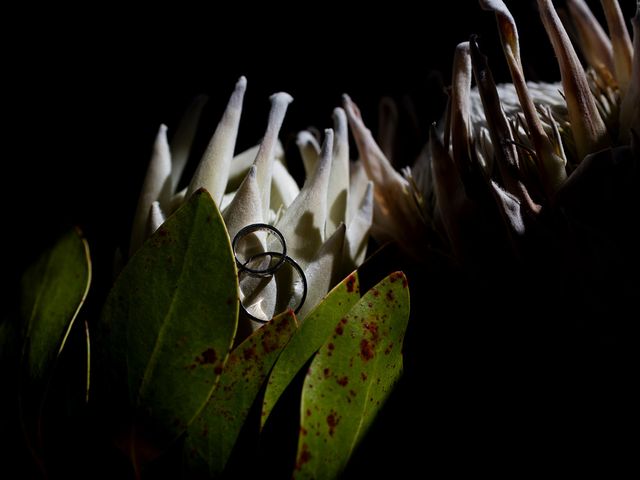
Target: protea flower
[[512, 150], [325, 223]]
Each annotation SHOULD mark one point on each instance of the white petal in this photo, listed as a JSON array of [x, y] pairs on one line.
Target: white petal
[[338, 193], [182, 139], [176, 201], [324, 270], [358, 230], [510, 208], [213, 171], [266, 152], [242, 161], [309, 151], [156, 187], [302, 224], [284, 188], [246, 206], [358, 183], [156, 218]]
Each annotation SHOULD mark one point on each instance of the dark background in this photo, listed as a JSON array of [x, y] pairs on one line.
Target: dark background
[[85, 92]]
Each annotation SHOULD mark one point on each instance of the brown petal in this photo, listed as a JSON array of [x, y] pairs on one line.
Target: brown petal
[[594, 42], [588, 128], [630, 108], [550, 166], [622, 49], [501, 138]]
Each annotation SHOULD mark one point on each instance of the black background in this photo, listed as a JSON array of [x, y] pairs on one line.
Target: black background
[[85, 92]]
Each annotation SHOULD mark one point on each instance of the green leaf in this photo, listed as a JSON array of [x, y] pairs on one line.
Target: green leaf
[[213, 434], [350, 378], [169, 323], [53, 291], [313, 332]]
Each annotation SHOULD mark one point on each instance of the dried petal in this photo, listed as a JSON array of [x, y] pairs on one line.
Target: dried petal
[[213, 170], [460, 108], [449, 190], [550, 166], [594, 42], [501, 138], [156, 187], [587, 127], [387, 125], [622, 49], [630, 108], [396, 211]]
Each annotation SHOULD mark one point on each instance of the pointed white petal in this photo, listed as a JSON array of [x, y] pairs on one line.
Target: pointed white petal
[[309, 151], [156, 187], [338, 193], [358, 232], [176, 201], [241, 162], [284, 188], [324, 270], [302, 224], [510, 208], [358, 184], [246, 206], [156, 218], [265, 157], [213, 171], [183, 139]]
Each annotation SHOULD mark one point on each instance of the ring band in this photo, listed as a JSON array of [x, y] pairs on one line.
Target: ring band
[[283, 259], [255, 227]]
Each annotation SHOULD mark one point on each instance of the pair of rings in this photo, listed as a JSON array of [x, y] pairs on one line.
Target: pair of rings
[[252, 266]]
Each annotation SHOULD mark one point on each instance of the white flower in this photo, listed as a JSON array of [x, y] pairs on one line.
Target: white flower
[[325, 223]]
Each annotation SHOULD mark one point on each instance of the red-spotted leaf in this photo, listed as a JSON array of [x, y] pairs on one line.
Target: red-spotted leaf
[[350, 378], [211, 437], [169, 323], [313, 332]]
